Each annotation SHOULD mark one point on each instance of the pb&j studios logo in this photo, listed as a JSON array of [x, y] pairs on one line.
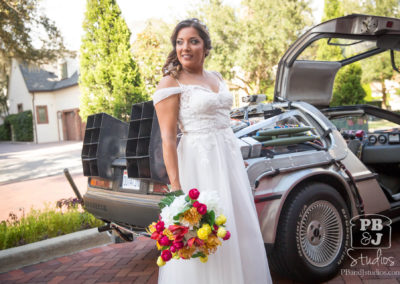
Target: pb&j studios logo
[[370, 231]]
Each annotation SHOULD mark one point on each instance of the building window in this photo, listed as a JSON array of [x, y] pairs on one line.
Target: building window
[[41, 114], [20, 108]]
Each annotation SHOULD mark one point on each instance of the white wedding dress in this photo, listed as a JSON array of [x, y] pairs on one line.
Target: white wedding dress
[[209, 158]]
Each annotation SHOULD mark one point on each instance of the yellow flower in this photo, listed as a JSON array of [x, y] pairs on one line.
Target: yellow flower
[[204, 259], [159, 247], [221, 219], [221, 232], [191, 216], [152, 228], [202, 233], [160, 261], [207, 227], [175, 255], [169, 234]]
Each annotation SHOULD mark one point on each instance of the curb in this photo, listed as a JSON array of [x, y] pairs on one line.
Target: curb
[[45, 250]]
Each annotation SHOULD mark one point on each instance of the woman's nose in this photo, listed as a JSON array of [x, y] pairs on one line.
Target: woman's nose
[[186, 45]]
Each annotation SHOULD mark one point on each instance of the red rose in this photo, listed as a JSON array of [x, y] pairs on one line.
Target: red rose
[[202, 209], [227, 236], [194, 193], [160, 226], [215, 230], [164, 241], [196, 204], [166, 255]]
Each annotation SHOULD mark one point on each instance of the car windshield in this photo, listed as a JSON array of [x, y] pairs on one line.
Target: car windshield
[[337, 48], [366, 122]]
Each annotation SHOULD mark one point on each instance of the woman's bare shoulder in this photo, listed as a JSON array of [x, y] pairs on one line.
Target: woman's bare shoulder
[[167, 82]]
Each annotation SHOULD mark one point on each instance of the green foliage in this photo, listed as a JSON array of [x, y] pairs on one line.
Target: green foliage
[[5, 132], [226, 34], [22, 125], [39, 225], [268, 28], [109, 77], [169, 198], [347, 89], [150, 51]]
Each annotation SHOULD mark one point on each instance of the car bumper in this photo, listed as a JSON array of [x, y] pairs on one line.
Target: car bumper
[[135, 210]]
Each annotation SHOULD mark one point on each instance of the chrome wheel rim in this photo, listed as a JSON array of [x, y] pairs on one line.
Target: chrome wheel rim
[[321, 233]]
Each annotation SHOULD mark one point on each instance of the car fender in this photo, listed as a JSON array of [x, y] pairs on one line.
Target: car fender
[[272, 193]]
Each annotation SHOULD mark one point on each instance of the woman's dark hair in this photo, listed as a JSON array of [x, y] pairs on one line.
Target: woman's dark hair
[[172, 66]]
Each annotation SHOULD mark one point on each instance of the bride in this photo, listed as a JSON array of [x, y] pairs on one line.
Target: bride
[[207, 158]]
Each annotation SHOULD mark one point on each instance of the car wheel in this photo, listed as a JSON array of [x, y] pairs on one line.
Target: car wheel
[[313, 234]]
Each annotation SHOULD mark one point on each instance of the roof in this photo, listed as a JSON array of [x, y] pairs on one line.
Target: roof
[[39, 80]]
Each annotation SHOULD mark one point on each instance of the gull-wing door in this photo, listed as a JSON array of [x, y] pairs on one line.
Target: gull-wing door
[[305, 73]]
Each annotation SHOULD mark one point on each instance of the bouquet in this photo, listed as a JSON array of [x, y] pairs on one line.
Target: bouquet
[[189, 226]]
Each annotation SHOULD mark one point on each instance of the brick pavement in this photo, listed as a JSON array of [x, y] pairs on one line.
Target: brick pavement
[[136, 263]]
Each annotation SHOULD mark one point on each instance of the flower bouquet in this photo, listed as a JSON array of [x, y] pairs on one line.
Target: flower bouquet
[[189, 226]]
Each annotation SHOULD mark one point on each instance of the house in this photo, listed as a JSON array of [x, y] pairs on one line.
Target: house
[[53, 100]]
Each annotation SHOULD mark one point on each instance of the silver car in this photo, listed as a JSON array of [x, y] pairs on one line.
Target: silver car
[[311, 168]]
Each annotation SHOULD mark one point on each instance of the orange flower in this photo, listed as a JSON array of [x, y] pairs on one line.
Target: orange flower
[[186, 252], [210, 246], [191, 216]]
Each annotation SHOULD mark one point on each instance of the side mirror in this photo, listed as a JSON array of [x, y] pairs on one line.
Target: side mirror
[[393, 60]]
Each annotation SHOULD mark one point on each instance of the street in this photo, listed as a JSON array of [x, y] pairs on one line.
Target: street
[[32, 175]]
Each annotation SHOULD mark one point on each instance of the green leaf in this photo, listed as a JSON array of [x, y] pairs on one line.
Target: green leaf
[[212, 217], [187, 198], [198, 254]]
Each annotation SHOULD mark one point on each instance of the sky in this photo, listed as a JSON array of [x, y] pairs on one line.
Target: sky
[[68, 14]]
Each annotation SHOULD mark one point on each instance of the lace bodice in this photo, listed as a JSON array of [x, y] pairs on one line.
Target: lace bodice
[[201, 110]]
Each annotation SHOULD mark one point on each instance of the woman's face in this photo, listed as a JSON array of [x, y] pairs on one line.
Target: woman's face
[[190, 48]]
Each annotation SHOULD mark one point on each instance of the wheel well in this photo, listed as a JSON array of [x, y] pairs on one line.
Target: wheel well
[[327, 179]]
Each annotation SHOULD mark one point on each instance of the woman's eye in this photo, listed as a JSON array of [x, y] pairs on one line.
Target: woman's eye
[[179, 42], [194, 41]]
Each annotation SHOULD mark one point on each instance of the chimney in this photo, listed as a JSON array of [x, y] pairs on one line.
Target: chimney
[[62, 70]]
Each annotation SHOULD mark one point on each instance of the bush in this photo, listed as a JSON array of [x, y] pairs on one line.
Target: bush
[[5, 132], [39, 225], [22, 125]]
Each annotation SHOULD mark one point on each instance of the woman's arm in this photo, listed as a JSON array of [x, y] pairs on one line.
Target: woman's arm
[[167, 112]]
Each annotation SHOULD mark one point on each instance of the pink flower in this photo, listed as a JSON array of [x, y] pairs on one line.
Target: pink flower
[[178, 245], [160, 226], [196, 204], [194, 193], [173, 249], [202, 209], [227, 236], [215, 229], [166, 255], [164, 241]]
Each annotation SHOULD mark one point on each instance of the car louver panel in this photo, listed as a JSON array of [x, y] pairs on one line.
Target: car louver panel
[[104, 141], [144, 156]]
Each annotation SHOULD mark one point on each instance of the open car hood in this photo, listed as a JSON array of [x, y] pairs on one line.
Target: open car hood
[[312, 81]]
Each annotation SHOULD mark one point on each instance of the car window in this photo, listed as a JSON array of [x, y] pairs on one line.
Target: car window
[[335, 49], [368, 123]]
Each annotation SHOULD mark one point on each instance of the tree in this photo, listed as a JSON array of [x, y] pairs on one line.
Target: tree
[[269, 27], [109, 77], [379, 68], [150, 50], [226, 34], [347, 89], [22, 23]]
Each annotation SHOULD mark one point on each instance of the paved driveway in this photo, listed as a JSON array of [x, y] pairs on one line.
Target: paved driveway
[[136, 263], [24, 161]]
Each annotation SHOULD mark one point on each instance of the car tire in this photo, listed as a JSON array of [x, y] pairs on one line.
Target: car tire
[[312, 236]]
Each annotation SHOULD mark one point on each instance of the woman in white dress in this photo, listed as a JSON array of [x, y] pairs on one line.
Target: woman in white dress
[[207, 158]]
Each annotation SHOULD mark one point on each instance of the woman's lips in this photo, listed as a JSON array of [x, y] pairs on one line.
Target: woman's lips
[[187, 56]]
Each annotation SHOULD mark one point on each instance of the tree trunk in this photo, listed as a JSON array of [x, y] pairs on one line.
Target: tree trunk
[[385, 104]]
